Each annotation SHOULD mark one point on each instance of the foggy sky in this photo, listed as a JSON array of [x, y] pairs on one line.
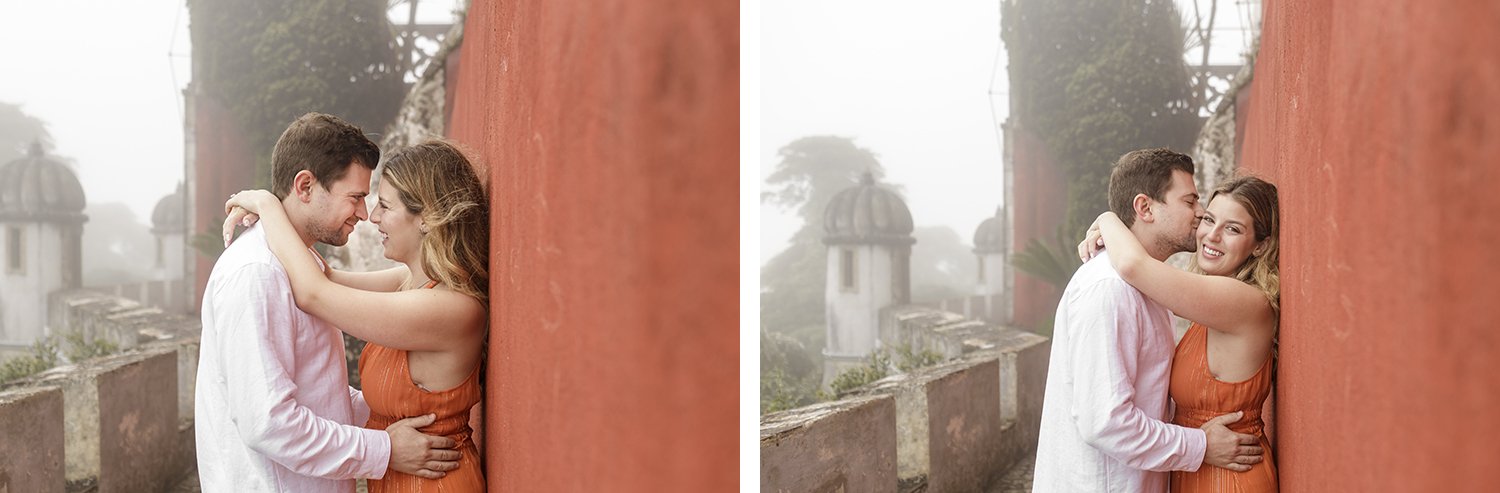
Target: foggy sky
[[107, 78], [910, 81]]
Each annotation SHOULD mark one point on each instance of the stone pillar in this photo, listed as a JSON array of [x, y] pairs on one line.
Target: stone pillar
[[847, 445], [120, 421], [31, 440]]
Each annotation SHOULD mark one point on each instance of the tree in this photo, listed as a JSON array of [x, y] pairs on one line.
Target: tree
[[789, 375], [1096, 79], [943, 265], [114, 246], [812, 170], [270, 61], [18, 130]]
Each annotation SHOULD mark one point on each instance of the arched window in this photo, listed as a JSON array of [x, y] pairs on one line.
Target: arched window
[[846, 269], [13, 253]]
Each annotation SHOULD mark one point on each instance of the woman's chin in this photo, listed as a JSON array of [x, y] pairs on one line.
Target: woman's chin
[[1214, 268], [1207, 265]]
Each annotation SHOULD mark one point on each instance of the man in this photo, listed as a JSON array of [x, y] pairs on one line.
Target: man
[[1112, 349], [274, 410]]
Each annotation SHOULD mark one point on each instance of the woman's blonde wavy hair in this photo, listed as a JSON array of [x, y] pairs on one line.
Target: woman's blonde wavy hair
[[437, 183], [1258, 197]]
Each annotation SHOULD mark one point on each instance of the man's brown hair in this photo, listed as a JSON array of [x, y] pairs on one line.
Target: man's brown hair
[[320, 143], [1145, 171]]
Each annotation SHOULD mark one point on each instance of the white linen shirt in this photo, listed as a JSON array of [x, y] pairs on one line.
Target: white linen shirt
[[273, 409], [1107, 384]]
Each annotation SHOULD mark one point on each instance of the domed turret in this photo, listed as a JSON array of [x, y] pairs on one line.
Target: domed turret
[[991, 250], [991, 236], [41, 222], [170, 215], [39, 188], [868, 232], [867, 213]]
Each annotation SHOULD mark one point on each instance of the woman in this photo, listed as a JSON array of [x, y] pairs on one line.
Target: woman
[[425, 321], [1224, 363]]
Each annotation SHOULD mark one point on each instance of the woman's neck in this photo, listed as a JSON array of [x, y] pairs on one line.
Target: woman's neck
[[418, 276]]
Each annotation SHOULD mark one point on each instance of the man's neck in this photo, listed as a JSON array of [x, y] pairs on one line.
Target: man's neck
[[298, 219], [1156, 248]]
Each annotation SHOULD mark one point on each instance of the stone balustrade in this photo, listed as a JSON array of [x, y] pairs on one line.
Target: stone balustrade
[[121, 422], [31, 440], [956, 426], [844, 445]]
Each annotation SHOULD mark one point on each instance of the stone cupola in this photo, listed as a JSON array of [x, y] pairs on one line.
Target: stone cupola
[[867, 229]]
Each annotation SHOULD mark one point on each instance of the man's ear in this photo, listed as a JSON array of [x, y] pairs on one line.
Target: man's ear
[[302, 185], [1142, 205]]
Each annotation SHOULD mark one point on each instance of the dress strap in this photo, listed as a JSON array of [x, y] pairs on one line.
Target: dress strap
[[430, 284]]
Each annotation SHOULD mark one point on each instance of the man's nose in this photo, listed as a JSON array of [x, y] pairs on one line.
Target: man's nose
[[361, 213]]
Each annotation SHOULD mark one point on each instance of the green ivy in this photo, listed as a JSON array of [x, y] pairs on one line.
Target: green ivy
[[1094, 79], [1053, 261], [270, 61], [43, 356], [882, 363], [79, 349]]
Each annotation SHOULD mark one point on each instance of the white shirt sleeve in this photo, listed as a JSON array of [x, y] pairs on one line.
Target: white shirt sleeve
[[257, 346], [1106, 341], [361, 408]]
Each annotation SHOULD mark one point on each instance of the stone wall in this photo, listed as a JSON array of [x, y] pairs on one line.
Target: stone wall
[[608, 123], [125, 322], [844, 445], [953, 427], [31, 437], [991, 308], [121, 422], [1379, 127], [944, 332], [171, 296]]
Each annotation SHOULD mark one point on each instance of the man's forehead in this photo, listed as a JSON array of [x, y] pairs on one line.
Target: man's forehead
[[1182, 184], [355, 180]]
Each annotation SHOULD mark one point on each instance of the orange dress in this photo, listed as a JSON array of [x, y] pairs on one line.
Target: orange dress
[[393, 396], [1201, 397]]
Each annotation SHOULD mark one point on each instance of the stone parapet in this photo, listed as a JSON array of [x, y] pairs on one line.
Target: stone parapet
[[956, 426], [97, 315], [944, 332], [844, 445], [119, 420], [123, 421], [31, 440]]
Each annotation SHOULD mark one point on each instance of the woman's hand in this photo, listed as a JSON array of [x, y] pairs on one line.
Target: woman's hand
[[251, 200], [238, 216], [1093, 241], [242, 209]]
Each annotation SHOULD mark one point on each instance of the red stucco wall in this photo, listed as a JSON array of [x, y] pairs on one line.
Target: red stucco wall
[[1379, 123], [1041, 203], [611, 133], [223, 164]]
